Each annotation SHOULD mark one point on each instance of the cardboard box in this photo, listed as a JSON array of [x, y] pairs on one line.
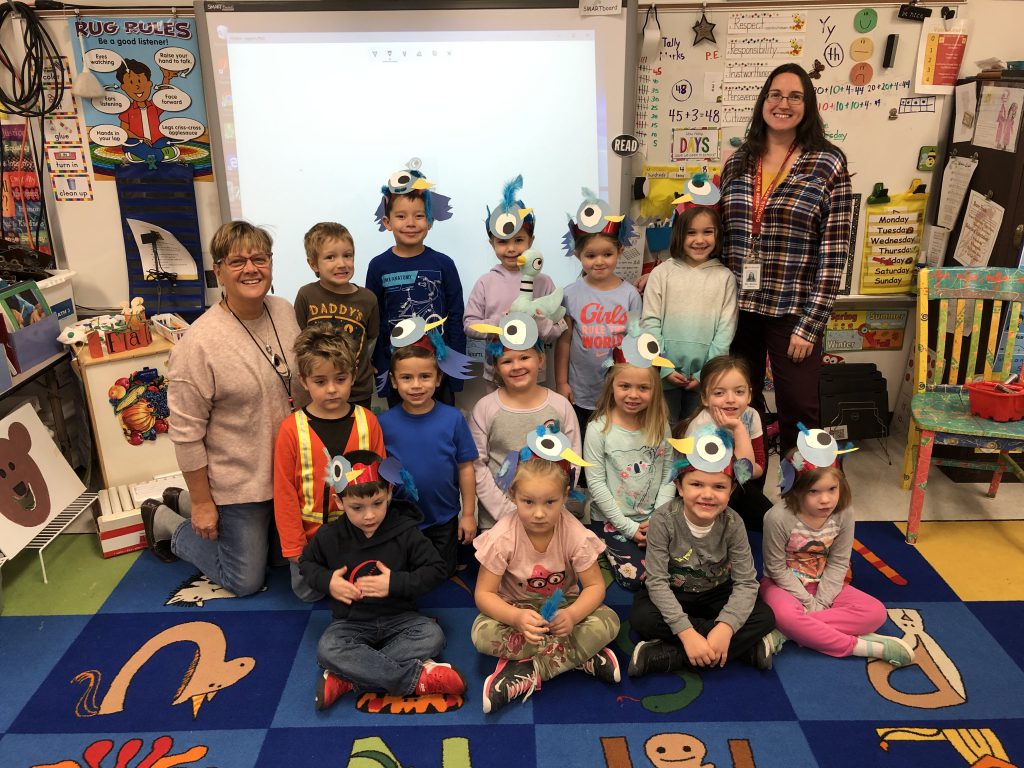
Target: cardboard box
[[121, 532]]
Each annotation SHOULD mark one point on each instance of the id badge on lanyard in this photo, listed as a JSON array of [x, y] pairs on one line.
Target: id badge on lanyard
[[750, 278]]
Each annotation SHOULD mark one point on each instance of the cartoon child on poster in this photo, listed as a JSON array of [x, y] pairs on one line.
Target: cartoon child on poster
[[141, 120]]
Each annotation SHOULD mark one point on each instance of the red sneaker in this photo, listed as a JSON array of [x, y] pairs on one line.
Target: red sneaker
[[439, 678], [330, 688]]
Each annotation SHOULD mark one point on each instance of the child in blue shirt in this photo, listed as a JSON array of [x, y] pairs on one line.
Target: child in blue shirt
[[411, 278], [434, 445]]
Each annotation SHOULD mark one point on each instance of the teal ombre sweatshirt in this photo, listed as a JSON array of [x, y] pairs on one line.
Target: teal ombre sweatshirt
[[692, 310]]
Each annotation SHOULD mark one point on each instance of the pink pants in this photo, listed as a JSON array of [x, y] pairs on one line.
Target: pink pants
[[832, 631]]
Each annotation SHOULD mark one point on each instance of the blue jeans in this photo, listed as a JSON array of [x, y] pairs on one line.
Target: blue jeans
[[237, 558], [381, 654]]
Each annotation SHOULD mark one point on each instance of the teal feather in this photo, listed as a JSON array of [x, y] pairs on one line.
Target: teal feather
[[550, 607], [510, 194]]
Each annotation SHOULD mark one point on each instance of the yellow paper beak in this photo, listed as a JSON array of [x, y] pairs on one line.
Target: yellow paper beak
[[421, 184], [524, 212], [520, 260], [847, 450], [663, 362], [687, 198], [433, 325], [352, 474], [485, 328], [574, 458], [684, 445], [614, 218]]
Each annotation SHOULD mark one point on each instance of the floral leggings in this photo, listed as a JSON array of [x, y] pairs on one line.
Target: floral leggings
[[557, 654], [626, 558]]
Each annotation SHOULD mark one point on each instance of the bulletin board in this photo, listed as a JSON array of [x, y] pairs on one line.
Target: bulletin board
[[693, 109]]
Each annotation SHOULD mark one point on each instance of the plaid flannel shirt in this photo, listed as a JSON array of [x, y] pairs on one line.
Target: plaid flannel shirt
[[805, 238]]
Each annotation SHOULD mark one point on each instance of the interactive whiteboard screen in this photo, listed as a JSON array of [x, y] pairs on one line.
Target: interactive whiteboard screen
[[317, 108]]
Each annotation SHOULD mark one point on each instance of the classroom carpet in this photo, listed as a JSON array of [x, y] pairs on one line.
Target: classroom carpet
[[132, 663]]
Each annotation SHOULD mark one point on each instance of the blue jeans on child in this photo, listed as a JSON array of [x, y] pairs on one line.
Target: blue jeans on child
[[237, 558], [381, 654]]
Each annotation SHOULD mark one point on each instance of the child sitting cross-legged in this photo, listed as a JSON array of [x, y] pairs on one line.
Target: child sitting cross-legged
[[699, 606], [533, 615], [374, 562]]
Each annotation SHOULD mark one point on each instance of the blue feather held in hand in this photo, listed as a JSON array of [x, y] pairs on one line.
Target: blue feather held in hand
[[550, 607]]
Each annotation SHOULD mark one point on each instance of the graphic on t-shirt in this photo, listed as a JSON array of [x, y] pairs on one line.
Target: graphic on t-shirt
[[544, 582], [416, 292], [639, 484], [601, 329], [349, 320]]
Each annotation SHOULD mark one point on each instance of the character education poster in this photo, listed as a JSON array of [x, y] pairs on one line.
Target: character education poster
[[152, 110]]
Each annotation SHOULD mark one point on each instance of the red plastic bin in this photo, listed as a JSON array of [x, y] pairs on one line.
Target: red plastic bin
[[989, 403]]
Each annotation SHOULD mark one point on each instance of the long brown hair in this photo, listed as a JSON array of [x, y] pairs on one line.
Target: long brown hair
[[683, 222], [655, 415], [810, 134], [713, 370]]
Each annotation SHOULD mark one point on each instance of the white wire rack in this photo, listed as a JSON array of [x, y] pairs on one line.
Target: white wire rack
[[55, 527]]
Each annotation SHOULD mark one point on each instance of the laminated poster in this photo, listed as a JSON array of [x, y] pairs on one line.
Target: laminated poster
[[892, 244], [152, 110]]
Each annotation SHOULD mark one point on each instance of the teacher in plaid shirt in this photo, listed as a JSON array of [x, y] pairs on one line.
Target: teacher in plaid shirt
[[787, 210]]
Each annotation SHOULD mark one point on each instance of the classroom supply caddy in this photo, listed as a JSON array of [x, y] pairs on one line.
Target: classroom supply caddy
[[996, 401]]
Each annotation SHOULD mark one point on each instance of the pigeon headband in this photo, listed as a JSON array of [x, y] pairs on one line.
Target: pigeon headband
[[416, 331], [815, 449], [411, 181], [515, 331], [639, 347], [341, 474], [709, 449], [510, 216], [547, 442], [700, 192], [594, 217]]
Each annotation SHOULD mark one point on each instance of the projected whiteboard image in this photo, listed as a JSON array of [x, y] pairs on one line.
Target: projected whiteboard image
[[313, 123]]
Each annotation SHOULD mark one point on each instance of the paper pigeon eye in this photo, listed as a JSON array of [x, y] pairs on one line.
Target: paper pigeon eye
[[407, 331], [702, 190], [400, 182], [710, 448], [818, 447], [548, 446], [518, 331], [590, 216], [647, 346], [505, 225]]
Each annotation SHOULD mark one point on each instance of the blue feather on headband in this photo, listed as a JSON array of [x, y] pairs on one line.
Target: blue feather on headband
[[510, 193]]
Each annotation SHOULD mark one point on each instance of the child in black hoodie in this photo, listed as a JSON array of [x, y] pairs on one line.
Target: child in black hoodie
[[374, 562]]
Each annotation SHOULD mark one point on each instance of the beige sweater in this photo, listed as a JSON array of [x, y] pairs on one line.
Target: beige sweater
[[227, 402]]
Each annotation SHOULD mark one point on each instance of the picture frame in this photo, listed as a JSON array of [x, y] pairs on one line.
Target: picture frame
[[23, 304]]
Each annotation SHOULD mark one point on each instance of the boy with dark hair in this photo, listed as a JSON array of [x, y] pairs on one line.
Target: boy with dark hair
[[329, 426], [374, 562], [411, 278]]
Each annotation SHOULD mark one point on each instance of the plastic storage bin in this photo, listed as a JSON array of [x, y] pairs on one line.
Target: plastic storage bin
[[989, 403], [57, 292]]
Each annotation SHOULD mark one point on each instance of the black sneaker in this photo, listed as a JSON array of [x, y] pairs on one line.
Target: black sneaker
[[603, 665], [655, 656], [761, 654], [510, 680], [162, 548]]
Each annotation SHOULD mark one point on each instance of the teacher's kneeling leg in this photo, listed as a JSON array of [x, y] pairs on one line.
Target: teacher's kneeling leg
[[237, 558]]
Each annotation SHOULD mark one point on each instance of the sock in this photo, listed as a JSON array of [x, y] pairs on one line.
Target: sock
[[165, 522]]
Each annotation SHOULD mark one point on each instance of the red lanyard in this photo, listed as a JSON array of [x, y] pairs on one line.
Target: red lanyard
[[761, 200]]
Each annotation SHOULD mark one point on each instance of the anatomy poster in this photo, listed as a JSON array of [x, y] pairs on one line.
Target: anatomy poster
[[38, 482], [152, 109]]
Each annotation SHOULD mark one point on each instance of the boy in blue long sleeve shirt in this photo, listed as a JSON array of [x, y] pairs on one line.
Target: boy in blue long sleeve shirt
[[411, 278]]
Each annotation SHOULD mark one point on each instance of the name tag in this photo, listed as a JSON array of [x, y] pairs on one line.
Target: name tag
[[751, 276]]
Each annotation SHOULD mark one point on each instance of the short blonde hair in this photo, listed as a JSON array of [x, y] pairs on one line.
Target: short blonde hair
[[539, 469], [319, 234], [239, 233]]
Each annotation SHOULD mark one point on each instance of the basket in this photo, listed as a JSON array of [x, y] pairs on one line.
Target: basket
[[989, 403]]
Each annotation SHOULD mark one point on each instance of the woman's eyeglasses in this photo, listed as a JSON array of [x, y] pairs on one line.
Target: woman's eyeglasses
[[237, 263], [774, 97]]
